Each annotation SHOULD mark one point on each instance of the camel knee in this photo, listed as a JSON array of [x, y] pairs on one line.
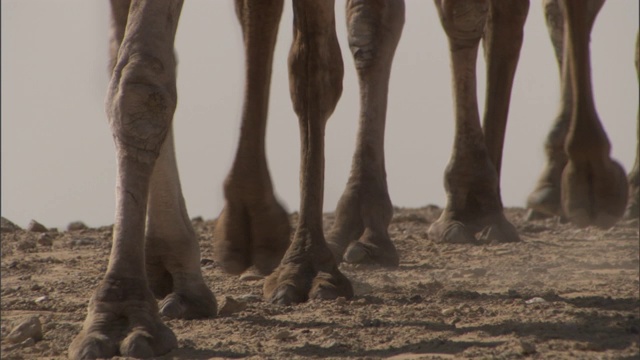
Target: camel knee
[[315, 61], [463, 20], [140, 104], [315, 80], [374, 29]]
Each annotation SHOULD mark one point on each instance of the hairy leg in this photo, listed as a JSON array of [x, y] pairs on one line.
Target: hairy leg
[[123, 316], [308, 269], [471, 178], [253, 228], [364, 211]]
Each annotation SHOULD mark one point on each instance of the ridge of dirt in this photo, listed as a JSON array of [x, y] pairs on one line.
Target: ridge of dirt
[[561, 293]]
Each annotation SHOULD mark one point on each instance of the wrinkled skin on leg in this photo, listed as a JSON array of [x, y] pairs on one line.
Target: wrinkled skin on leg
[[154, 249], [308, 269], [472, 176], [253, 228], [580, 180], [364, 210]]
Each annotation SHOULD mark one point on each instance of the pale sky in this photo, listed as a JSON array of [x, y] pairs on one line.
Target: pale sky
[[58, 162]]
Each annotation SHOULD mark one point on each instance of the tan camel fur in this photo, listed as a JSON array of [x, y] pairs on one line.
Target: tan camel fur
[[155, 253]]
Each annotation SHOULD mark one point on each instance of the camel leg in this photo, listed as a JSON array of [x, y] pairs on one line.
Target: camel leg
[[253, 228], [502, 41], [594, 187], [632, 211], [544, 200], [123, 315], [471, 179], [171, 248], [364, 211], [308, 269]]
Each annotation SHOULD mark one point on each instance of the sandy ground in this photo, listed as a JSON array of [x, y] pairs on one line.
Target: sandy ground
[[563, 293]]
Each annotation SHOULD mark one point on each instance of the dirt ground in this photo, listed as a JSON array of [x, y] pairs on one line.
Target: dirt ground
[[561, 293]]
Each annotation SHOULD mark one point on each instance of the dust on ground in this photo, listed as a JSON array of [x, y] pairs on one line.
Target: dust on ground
[[563, 292]]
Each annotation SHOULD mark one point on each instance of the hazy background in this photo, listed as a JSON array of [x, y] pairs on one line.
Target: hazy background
[[58, 162]]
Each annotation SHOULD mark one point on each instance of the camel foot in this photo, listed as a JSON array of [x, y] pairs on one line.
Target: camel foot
[[122, 321], [359, 234], [372, 249], [533, 215], [493, 229], [308, 271], [544, 201], [594, 193], [244, 237], [189, 305], [183, 295]]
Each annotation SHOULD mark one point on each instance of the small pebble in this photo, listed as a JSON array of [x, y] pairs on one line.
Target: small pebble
[[29, 328], [448, 312], [282, 335], [35, 226], [536, 300], [41, 299], [230, 305]]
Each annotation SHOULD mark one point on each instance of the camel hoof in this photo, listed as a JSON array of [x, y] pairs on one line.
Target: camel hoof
[[137, 345], [292, 284], [365, 253], [545, 200], [172, 307], [501, 232], [336, 249], [92, 346], [594, 194], [189, 306], [261, 244], [122, 320], [324, 293], [451, 232], [328, 286], [533, 215], [285, 295]]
